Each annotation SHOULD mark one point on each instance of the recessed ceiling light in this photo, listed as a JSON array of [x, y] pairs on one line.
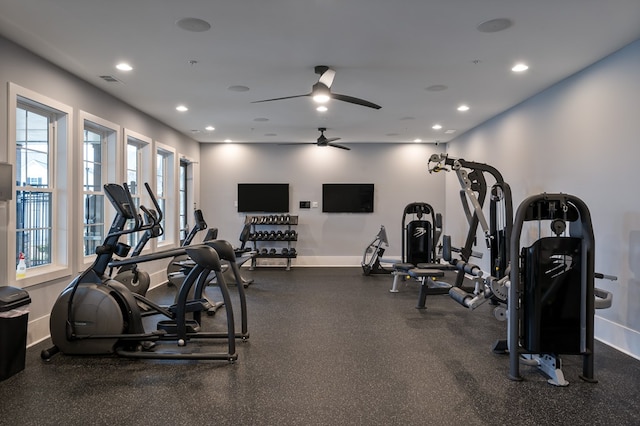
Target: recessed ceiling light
[[417, 140], [194, 25], [322, 108], [494, 25], [210, 128], [182, 108], [520, 67], [123, 66], [449, 131], [436, 127], [463, 108], [238, 88], [261, 119]]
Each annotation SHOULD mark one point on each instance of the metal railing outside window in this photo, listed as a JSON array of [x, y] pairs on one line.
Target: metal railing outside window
[[33, 227]]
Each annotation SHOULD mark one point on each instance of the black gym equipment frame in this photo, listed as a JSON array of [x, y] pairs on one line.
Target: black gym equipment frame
[[373, 254], [552, 296], [420, 209], [497, 231], [96, 315]]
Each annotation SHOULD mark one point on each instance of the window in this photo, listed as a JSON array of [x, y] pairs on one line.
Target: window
[[136, 156], [165, 187], [183, 225], [41, 150], [35, 139], [98, 141]]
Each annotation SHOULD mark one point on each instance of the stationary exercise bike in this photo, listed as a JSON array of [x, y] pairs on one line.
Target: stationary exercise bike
[[95, 315]]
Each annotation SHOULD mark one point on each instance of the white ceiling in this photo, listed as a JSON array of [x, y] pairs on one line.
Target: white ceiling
[[387, 52]]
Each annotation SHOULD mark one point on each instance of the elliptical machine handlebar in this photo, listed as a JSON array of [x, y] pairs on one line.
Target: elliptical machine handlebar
[[200, 225], [154, 200]]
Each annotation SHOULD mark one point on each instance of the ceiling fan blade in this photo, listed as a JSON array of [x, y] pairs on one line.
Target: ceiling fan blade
[[327, 77], [329, 140], [278, 99], [353, 100], [335, 145]]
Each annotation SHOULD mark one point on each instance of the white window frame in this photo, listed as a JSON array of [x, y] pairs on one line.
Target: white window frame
[[111, 170], [192, 200], [183, 201], [60, 187], [170, 171], [144, 174]]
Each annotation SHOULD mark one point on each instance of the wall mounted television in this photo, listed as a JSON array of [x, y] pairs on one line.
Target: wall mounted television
[[347, 197], [263, 197]]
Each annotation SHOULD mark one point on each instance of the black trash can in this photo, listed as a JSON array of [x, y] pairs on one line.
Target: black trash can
[[14, 318]]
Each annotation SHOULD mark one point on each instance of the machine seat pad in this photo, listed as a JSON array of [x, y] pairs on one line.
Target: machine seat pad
[[440, 266], [421, 273], [403, 266]]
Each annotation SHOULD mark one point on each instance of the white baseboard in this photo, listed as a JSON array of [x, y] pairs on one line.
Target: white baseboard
[[38, 330], [618, 336]]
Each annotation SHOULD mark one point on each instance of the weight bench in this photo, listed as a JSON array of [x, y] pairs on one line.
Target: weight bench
[[425, 274], [400, 270]]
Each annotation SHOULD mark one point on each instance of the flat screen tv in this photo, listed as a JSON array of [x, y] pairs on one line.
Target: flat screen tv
[[263, 197], [347, 198]]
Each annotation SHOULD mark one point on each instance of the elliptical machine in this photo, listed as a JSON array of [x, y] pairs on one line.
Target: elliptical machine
[[175, 272], [136, 279], [96, 315]]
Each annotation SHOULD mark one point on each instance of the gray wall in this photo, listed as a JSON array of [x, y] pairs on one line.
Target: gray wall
[[578, 137], [31, 72], [399, 173]]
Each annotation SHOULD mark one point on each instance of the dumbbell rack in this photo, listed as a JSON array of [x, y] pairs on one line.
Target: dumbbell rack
[[277, 233]]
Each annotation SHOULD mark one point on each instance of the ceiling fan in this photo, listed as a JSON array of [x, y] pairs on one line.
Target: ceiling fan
[[321, 141], [321, 91]]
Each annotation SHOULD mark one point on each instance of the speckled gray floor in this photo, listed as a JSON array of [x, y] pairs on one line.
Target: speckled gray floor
[[328, 347]]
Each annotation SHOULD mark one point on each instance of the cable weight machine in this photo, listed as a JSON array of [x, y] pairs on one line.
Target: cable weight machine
[[474, 191], [549, 288], [552, 296]]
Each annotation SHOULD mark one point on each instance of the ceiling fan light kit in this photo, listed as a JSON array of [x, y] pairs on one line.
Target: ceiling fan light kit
[[321, 91], [322, 141]]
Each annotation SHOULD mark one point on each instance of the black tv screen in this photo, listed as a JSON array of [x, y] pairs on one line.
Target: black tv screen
[[263, 197], [347, 198]]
